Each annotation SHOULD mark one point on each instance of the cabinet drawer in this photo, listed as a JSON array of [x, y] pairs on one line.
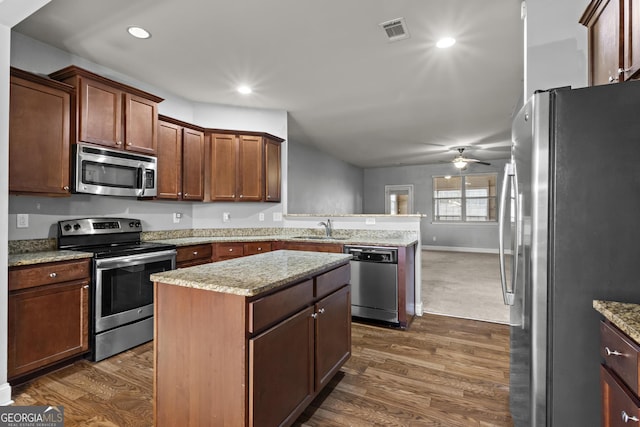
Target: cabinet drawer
[[272, 308], [619, 408], [332, 280], [195, 252], [256, 248], [47, 274], [620, 354], [229, 250]]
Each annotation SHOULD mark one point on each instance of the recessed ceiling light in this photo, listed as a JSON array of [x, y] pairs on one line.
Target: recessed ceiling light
[[245, 90], [446, 42], [139, 32]]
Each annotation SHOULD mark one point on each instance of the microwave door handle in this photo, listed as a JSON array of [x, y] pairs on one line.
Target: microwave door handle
[[141, 180]]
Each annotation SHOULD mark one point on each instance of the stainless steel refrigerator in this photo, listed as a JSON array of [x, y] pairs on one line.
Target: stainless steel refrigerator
[[569, 234]]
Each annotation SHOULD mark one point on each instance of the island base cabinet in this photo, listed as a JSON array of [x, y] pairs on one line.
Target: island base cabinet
[[281, 371], [333, 334]]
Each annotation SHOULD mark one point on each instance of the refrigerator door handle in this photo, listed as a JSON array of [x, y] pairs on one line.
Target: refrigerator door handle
[[509, 173]]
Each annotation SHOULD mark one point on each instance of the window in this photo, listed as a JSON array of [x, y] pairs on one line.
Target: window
[[465, 198]]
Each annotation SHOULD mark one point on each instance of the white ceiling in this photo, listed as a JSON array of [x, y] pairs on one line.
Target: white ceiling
[[348, 90]]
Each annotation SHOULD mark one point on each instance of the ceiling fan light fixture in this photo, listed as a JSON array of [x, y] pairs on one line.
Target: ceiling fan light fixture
[[459, 163], [245, 90]]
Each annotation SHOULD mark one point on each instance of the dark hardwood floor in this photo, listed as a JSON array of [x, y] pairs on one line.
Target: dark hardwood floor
[[443, 371]]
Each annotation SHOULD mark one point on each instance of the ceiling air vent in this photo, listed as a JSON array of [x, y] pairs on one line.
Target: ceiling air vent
[[396, 29]]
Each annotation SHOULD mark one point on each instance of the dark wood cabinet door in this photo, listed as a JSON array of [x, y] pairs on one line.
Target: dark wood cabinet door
[[619, 408], [631, 39], [169, 161], [333, 334], [604, 21], [100, 114], [192, 164], [141, 124], [224, 155], [281, 360], [39, 123], [272, 171], [251, 178], [47, 324]]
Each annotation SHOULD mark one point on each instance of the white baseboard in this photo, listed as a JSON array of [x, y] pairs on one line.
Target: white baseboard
[[459, 249], [5, 394], [419, 311]]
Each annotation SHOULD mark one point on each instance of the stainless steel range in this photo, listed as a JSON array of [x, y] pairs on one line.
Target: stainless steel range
[[121, 294]]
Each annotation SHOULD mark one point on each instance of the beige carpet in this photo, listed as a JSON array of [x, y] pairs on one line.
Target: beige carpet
[[462, 284]]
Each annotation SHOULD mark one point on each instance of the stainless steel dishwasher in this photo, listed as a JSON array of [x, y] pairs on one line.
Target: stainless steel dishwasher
[[374, 283]]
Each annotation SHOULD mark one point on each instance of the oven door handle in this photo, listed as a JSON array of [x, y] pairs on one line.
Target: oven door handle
[[127, 261]]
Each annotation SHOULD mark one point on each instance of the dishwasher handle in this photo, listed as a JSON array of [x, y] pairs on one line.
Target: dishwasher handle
[[369, 254]]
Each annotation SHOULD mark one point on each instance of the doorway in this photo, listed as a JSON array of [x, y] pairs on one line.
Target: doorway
[[398, 199]]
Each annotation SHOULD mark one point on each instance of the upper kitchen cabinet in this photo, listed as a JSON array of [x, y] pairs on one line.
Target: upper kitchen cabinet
[[614, 37], [243, 167], [112, 114], [39, 135], [272, 170], [181, 154]]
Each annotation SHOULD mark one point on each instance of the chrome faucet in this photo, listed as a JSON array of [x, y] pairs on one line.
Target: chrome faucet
[[327, 227]]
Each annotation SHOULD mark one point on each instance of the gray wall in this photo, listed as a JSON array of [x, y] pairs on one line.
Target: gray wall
[[482, 237], [319, 183]]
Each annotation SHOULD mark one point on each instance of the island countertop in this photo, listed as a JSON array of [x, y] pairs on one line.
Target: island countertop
[[626, 316], [255, 274]]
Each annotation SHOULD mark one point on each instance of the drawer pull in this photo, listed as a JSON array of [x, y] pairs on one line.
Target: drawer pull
[[612, 352], [626, 417], [195, 252], [53, 275]]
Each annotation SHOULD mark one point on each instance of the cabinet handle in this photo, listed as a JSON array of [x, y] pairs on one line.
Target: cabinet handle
[[86, 286], [186, 194], [241, 196], [612, 352], [195, 252], [230, 249], [268, 196], [65, 188], [321, 310], [53, 275], [259, 249], [626, 417], [623, 70], [314, 315], [129, 144], [179, 193], [612, 79], [118, 142]]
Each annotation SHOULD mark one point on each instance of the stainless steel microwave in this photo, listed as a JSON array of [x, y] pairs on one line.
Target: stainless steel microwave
[[98, 170]]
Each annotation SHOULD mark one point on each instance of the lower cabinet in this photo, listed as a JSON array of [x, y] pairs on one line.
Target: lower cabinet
[[619, 380], [314, 247], [188, 256], [48, 316]]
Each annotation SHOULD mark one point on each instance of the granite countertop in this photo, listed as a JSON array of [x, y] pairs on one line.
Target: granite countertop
[[626, 316], [255, 274], [45, 256], [346, 240]]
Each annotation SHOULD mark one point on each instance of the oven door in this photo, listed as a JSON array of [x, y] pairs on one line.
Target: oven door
[[123, 291]]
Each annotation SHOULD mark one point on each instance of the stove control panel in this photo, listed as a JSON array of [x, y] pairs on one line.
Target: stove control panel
[[88, 226]]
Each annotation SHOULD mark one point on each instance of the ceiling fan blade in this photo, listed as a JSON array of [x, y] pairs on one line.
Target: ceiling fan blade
[[480, 162]]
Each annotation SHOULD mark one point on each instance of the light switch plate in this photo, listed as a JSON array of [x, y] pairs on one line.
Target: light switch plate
[[226, 216]]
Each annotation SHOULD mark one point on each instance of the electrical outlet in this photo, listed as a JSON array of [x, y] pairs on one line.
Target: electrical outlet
[[22, 220], [226, 216], [370, 221], [277, 216], [261, 216], [176, 217]]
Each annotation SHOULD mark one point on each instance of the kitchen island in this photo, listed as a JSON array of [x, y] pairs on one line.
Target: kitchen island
[[249, 341]]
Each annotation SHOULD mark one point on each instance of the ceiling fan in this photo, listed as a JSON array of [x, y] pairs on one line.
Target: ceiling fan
[[461, 162]]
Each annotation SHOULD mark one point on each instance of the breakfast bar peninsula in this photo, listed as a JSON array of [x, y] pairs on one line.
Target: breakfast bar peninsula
[[249, 341]]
